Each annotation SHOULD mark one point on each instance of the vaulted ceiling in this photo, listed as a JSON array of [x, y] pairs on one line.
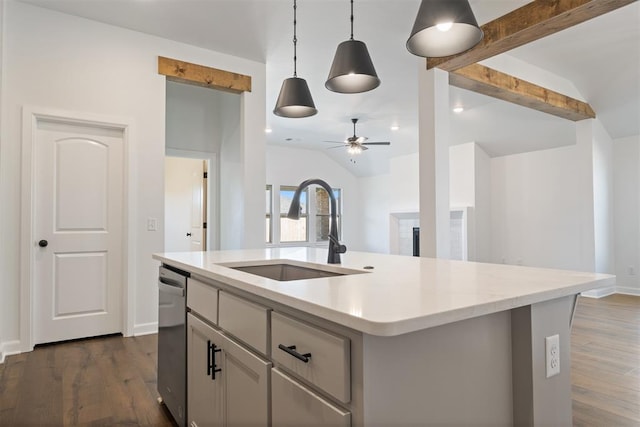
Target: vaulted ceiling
[[600, 58]]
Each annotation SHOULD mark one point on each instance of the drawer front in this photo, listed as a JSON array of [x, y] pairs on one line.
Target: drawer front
[[293, 404], [245, 320], [329, 365], [203, 299]]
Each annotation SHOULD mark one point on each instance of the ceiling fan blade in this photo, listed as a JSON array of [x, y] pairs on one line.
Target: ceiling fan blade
[[337, 146], [336, 142], [376, 143]]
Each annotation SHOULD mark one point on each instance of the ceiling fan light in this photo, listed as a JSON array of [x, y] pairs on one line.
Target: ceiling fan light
[[352, 70], [295, 99], [429, 36], [354, 149]]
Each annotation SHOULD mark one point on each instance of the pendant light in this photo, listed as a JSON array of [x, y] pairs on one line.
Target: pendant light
[[352, 70], [294, 100], [444, 28]]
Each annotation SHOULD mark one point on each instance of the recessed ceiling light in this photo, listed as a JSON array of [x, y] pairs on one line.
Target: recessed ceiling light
[[395, 127], [268, 130], [458, 109]]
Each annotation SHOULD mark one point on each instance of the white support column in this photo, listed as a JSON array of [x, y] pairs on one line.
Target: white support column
[[433, 110], [584, 142]]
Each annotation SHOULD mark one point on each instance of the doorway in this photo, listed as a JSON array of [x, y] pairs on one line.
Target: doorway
[[186, 204]]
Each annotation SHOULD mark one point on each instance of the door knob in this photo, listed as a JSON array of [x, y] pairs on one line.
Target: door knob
[[43, 243], [188, 234]]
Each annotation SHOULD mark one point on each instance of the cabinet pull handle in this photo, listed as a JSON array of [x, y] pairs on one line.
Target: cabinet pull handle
[[212, 349], [292, 351]]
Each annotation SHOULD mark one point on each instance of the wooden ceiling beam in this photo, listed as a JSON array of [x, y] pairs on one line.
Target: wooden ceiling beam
[[528, 23], [199, 75], [481, 79]]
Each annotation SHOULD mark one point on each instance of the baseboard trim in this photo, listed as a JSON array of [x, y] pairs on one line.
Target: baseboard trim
[[600, 293], [627, 291], [9, 348], [145, 329]]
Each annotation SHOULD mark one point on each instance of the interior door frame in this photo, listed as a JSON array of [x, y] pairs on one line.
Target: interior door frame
[[213, 225], [31, 115]]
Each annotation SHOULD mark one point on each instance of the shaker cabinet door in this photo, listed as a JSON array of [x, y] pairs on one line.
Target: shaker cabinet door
[[246, 380], [204, 393], [295, 405], [227, 384]]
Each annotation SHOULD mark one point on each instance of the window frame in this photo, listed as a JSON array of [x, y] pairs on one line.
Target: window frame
[[303, 216], [338, 213]]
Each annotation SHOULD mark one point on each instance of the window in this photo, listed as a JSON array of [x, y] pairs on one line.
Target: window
[[293, 230], [323, 213], [269, 211]]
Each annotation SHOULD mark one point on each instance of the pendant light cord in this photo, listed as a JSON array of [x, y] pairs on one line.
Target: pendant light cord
[[351, 19], [295, 40]]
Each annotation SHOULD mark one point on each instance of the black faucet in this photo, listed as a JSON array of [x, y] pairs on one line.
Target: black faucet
[[335, 248]]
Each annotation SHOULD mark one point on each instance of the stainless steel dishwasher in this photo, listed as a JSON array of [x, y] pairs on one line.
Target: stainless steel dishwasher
[[172, 341]]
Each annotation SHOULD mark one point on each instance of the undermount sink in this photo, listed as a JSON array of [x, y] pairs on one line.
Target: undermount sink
[[285, 272]]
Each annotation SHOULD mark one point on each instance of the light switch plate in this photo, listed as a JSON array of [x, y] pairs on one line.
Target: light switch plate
[[152, 224]]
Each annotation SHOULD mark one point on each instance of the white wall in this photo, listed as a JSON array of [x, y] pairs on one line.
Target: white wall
[[62, 62], [470, 186], [405, 182], [2, 283], [482, 207], [232, 207], [626, 177], [291, 166], [536, 209], [376, 193], [194, 118]]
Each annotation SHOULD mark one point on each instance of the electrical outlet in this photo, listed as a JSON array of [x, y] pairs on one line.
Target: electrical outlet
[[552, 348]]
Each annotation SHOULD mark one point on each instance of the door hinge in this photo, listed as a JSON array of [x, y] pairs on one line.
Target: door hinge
[[206, 175], [204, 225]]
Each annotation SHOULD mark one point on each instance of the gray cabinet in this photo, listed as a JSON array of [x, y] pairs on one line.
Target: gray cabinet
[[227, 384], [295, 405]]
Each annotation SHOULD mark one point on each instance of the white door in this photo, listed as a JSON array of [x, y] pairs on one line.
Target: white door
[[78, 200], [184, 204]]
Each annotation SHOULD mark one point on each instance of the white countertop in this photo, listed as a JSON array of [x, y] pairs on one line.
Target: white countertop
[[401, 294]]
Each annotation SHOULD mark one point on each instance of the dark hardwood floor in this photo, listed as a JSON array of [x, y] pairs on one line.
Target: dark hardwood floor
[[111, 381], [108, 381]]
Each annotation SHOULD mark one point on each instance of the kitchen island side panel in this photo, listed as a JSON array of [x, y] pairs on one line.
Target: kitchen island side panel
[[455, 374]]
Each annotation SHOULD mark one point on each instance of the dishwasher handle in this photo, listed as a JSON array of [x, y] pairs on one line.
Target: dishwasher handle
[[170, 289]]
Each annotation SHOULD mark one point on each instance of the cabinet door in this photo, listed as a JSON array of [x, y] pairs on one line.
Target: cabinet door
[[246, 381], [295, 405], [204, 393]]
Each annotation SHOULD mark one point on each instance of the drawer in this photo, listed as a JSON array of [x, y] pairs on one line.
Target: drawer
[[203, 299], [293, 405], [328, 367], [246, 320]]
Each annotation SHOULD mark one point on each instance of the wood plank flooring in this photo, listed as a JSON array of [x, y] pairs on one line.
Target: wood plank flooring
[[107, 381], [111, 381], [605, 362]]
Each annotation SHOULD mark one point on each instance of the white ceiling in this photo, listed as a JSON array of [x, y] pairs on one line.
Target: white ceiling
[[601, 57]]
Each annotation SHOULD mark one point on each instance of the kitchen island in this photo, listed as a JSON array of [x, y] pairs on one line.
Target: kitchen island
[[392, 340]]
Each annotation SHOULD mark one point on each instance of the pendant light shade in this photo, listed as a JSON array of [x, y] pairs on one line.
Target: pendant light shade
[[443, 28], [294, 100], [352, 70]]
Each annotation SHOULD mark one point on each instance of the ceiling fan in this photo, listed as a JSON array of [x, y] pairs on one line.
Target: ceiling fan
[[356, 144]]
